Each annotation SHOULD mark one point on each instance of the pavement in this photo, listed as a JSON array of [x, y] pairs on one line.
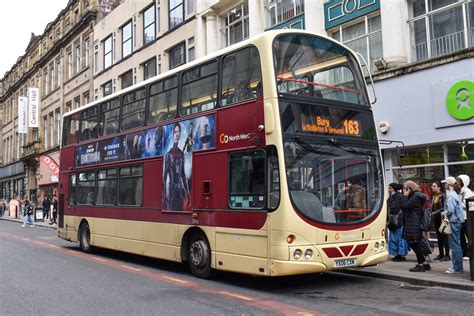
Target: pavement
[[395, 271]]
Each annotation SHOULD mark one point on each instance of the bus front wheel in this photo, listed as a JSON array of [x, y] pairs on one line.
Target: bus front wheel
[[85, 238], [199, 256]]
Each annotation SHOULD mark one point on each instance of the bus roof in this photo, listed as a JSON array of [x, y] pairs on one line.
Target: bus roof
[[265, 36]]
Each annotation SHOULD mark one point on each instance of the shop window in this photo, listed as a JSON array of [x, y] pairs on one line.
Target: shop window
[[130, 186], [247, 179], [439, 28], [421, 155], [199, 90], [467, 169], [241, 76], [86, 188], [461, 152], [106, 193], [133, 109], [424, 176], [163, 100]]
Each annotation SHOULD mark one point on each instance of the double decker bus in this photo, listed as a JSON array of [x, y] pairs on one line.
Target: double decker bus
[[261, 158]]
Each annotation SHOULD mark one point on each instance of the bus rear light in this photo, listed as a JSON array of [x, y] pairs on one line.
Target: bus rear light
[[332, 252], [297, 254], [359, 249], [382, 245], [290, 239], [308, 254]]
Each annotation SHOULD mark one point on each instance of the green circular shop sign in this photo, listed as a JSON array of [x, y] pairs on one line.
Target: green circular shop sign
[[460, 100]]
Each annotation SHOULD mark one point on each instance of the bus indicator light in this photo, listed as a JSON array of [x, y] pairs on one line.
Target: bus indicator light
[[290, 239]]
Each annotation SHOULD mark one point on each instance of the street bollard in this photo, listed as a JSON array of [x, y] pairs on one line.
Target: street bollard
[[470, 233]]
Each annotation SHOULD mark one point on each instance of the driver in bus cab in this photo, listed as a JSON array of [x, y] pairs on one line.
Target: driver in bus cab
[[174, 193]]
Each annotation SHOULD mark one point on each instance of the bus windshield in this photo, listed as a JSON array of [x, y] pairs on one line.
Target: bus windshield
[[311, 66]]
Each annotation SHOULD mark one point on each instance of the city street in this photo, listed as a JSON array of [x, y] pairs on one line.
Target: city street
[[43, 275]]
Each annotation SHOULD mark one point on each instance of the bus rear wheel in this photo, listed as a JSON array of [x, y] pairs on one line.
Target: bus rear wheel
[[199, 256], [85, 238]]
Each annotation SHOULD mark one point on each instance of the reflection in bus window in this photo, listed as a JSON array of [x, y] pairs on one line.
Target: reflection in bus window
[[71, 129], [130, 186], [106, 187], [133, 109], [247, 179], [163, 100], [241, 76], [273, 178], [109, 117], [199, 89], [72, 189], [86, 188], [89, 123]]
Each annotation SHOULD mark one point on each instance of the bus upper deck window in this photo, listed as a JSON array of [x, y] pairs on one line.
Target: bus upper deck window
[[71, 129]]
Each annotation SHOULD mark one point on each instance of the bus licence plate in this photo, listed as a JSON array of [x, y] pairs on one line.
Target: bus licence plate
[[343, 263]]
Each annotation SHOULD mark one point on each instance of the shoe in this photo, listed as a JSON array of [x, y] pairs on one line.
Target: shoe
[[50, 223], [23, 226], [396, 258], [465, 258], [451, 271], [32, 225], [445, 258], [427, 267], [438, 257], [418, 268]]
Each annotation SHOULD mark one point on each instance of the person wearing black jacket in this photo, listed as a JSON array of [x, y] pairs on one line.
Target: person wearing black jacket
[[412, 205], [438, 201], [397, 246], [46, 207]]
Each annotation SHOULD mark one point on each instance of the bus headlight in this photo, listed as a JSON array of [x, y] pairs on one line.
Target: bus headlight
[[297, 254], [376, 247], [308, 254]]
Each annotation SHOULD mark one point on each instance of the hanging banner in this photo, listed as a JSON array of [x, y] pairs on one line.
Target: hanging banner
[[22, 106], [49, 168], [34, 106]]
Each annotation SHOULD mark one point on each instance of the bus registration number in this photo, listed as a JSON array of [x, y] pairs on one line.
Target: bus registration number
[[343, 263]]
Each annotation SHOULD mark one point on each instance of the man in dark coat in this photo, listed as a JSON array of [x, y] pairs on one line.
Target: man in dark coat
[[46, 207]]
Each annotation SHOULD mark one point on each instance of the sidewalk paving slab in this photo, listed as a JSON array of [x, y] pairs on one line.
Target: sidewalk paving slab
[[39, 223]]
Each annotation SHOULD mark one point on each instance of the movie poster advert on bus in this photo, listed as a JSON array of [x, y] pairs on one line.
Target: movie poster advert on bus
[[196, 134]]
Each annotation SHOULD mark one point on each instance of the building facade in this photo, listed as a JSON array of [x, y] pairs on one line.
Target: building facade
[[58, 63]]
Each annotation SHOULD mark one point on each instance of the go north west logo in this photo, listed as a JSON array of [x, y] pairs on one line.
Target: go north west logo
[[460, 100]]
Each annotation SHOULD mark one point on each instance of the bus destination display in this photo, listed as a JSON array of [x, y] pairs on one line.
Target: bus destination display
[[324, 125]]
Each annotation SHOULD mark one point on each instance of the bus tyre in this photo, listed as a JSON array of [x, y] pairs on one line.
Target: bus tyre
[[85, 238], [199, 256]]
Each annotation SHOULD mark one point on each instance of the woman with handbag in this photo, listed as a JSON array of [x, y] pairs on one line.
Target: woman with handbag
[[412, 205], [397, 246], [438, 201]]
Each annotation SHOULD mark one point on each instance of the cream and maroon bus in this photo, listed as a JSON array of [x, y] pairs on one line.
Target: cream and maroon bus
[[261, 158]]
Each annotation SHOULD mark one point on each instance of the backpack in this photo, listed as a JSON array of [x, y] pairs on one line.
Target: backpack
[[425, 221]]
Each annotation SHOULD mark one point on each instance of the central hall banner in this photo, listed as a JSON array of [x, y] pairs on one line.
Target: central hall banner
[[34, 106], [22, 106]]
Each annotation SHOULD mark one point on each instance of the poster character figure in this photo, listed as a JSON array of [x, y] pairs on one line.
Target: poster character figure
[[188, 144], [158, 140], [174, 174]]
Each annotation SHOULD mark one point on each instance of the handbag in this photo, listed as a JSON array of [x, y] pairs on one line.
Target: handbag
[[395, 221], [445, 227]]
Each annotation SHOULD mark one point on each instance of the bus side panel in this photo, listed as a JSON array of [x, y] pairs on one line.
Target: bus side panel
[[153, 183]]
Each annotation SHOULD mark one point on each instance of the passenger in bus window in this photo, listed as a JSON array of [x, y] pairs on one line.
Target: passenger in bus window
[[177, 188]]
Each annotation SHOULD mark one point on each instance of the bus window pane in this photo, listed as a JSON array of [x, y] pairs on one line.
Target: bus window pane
[[247, 179], [200, 89], [163, 106], [72, 189], [106, 192], [137, 171], [72, 132], [86, 188], [130, 191], [89, 123], [109, 122], [241, 76], [125, 171], [133, 111]]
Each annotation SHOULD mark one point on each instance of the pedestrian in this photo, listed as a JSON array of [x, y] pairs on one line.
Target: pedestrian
[[412, 205], [3, 206], [46, 206], [55, 210], [462, 186], [455, 214], [397, 246], [437, 203], [27, 211]]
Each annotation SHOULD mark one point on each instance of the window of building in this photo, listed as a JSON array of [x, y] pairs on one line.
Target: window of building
[[163, 100], [133, 109], [78, 58], [176, 13], [236, 24], [89, 123], [177, 55], [46, 81], [191, 54], [149, 68], [190, 8], [241, 76], [45, 131], [51, 76], [364, 37], [106, 187], [69, 65], [130, 186], [149, 29], [77, 103], [107, 88], [440, 27], [57, 125], [199, 91], [127, 79], [86, 188], [58, 73], [247, 179], [127, 39], [96, 61], [109, 117], [283, 10], [87, 52], [51, 129], [108, 52], [86, 98]]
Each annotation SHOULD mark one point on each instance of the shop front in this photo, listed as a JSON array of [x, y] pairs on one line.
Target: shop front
[[12, 187], [430, 112], [48, 175]]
